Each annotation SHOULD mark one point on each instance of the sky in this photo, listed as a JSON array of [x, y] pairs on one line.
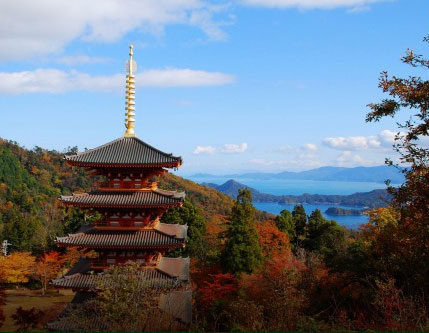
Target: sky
[[231, 86]]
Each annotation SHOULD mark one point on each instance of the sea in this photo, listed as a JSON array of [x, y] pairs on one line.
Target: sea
[[298, 187]]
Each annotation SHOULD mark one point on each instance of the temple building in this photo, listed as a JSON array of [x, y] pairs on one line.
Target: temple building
[[130, 204]]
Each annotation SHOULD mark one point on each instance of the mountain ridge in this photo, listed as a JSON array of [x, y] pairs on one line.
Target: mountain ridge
[[376, 174], [372, 199]]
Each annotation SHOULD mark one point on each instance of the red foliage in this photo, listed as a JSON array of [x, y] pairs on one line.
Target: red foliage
[[26, 319], [219, 287]]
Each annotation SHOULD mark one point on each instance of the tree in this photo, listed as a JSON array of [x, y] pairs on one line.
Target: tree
[[190, 215], [17, 267], [242, 252], [285, 223], [411, 199], [124, 303], [26, 319], [47, 268], [300, 221], [274, 243], [324, 236]]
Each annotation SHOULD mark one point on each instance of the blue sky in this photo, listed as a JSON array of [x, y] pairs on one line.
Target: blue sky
[[231, 86]]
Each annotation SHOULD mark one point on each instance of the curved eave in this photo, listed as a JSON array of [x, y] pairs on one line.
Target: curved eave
[[113, 165], [90, 205], [89, 246]]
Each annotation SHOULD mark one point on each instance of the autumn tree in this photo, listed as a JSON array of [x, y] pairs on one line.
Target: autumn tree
[[17, 267], [242, 252], [274, 243], [410, 96], [47, 268], [26, 319]]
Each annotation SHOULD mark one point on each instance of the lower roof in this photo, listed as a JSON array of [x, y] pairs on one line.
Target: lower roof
[[164, 236], [118, 199], [169, 272]]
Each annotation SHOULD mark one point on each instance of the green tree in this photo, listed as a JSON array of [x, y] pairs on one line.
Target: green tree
[[190, 215], [242, 252], [285, 223], [324, 236], [300, 221]]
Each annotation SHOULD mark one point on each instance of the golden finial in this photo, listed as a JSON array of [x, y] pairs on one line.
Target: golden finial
[[130, 67]]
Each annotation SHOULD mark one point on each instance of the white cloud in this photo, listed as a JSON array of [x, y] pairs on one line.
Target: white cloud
[[232, 148], [29, 28], [171, 77], [353, 142], [381, 142], [310, 147], [80, 59], [387, 137], [204, 150], [309, 4], [348, 159], [58, 81]]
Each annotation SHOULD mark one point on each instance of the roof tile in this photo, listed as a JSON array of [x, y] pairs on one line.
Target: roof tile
[[125, 151]]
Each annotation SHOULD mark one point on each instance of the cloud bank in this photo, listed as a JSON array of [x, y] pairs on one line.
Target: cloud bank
[[381, 141], [228, 148], [309, 4], [58, 81], [29, 28]]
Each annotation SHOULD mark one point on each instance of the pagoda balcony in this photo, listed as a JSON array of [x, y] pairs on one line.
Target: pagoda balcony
[[105, 263], [128, 224], [124, 185]]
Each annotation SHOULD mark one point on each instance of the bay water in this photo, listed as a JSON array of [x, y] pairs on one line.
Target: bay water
[[298, 187]]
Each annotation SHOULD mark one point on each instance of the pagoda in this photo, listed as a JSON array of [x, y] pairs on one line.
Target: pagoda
[[130, 204]]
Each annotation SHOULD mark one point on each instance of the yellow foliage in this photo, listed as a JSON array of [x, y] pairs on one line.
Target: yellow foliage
[[382, 217], [34, 170], [16, 268], [3, 188]]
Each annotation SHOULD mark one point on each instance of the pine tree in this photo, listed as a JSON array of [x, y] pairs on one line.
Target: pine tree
[[284, 222], [242, 252], [300, 221]]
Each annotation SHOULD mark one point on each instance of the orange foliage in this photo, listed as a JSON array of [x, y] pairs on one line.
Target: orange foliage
[[72, 255], [274, 243], [16, 268], [47, 268]]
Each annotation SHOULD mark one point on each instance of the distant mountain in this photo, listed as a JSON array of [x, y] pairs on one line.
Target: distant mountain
[[372, 199], [377, 174]]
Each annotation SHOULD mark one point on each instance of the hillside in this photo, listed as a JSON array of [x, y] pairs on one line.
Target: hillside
[[32, 180], [377, 174], [372, 199]]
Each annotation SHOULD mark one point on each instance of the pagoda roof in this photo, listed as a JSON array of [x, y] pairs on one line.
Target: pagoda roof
[[124, 152], [169, 272], [147, 277], [129, 199], [89, 237]]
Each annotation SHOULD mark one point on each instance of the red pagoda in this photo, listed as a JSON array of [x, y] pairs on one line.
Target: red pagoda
[[131, 205]]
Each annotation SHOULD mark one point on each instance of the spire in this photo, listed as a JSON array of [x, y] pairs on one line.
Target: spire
[[130, 68]]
